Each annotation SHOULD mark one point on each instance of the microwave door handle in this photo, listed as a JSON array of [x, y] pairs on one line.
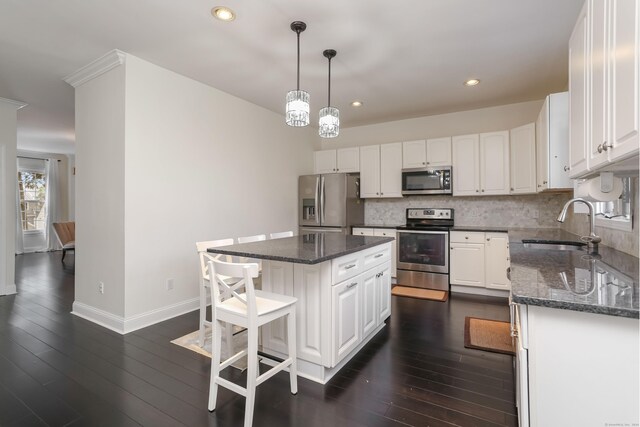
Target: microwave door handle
[[317, 208], [441, 181]]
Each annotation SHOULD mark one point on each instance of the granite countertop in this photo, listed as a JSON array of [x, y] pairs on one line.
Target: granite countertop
[[384, 225], [480, 228], [564, 279], [304, 249]]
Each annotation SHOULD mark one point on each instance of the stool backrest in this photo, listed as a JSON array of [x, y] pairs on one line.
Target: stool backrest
[[250, 239], [281, 234], [242, 275], [206, 256]]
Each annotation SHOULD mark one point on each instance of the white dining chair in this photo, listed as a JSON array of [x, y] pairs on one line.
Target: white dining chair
[[205, 286], [250, 309], [281, 235], [249, 239]]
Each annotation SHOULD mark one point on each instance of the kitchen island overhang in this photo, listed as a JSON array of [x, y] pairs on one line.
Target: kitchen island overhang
[[343, 287]]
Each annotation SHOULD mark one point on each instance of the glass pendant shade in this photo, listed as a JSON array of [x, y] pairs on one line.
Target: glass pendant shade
[[297, 109], [329, 122]]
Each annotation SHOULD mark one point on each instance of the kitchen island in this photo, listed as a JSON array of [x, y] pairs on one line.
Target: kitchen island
[[343, 287], [575, 322]]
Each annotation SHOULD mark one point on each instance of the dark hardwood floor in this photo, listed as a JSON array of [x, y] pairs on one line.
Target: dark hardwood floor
[[57, 369]]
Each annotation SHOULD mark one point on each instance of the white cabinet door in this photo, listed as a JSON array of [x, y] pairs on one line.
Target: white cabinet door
[[439, 152], [389, 232], [466, 171], [369, 301], [346, 331], [348, 160], [497, 261], [523, 159], [325, 161], [625, 67], [384, 293], [277, 277], [390, 170], [414, 154], [370, 171], [357, 231], [467, 264], [542, 147], [494, 163], [310, 284], [598, 50], [578, 95]]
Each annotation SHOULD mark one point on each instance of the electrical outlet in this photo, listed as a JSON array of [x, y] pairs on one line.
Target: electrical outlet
[[169, 284], [101, 287]]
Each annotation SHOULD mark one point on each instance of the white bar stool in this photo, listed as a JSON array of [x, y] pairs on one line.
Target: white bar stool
[[250, 309], [250, 239], [205, 284], [281, 235]]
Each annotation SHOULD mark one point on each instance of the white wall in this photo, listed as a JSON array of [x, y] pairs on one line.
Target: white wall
[[490, 119], [71, 189], [100, 206], [8, 173], [164, 161]]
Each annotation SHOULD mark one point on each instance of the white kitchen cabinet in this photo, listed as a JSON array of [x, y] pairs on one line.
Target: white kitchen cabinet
[[359, 231], [439, 152], [479, 260], [578, 65], [384, 291], [494, 163], [466, 167], [381, 170], [346, 320], [344, 160], [414, 154], [369, 302], [598, 12], [522, 141], [496, 252], [389, 232], [552, 143]]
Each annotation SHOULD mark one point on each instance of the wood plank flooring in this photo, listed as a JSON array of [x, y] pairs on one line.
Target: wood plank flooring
[[57, 369]]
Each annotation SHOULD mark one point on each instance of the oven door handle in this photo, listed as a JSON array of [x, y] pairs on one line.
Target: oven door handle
[[422, 232]]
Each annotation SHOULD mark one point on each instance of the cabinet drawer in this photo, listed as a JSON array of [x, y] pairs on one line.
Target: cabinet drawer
[[362, 232], [376, 255], [384, 232], [467, 237], [346, 267]]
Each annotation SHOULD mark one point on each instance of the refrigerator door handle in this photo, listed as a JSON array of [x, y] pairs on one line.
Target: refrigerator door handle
[[322, 198], [316, 207]]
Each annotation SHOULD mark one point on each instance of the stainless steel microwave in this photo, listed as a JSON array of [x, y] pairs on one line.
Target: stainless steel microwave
[[426, 181]]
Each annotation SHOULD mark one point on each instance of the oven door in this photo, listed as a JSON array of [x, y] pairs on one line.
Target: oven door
[[423, 251]]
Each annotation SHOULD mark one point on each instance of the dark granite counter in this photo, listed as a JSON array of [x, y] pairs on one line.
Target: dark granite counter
[[480, 228], [572, 280], [387, 225], [303, 249]]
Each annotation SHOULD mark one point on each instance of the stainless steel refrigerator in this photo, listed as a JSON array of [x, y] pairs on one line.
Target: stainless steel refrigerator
[[329, 203]]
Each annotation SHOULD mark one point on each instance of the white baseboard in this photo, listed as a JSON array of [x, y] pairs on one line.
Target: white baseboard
[[8, 290], [457, 289], [123, 325]]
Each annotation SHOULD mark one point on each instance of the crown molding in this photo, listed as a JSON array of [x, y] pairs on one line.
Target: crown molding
[[94, 69], [17, 104]]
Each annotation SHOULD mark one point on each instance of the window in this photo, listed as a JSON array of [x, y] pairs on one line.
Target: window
[[617, 214], [32, 187]]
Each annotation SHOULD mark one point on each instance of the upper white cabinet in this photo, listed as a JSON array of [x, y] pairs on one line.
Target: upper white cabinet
[[481, 164], [552, 142], [381, 170], [430, 153], [603, 86], [466, 167], [522, 142], [337, 161]]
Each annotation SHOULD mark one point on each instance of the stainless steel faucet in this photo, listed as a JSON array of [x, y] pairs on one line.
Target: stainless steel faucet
[[592, 238]]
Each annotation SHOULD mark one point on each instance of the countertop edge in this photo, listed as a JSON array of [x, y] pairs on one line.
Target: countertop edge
[[585, 308]]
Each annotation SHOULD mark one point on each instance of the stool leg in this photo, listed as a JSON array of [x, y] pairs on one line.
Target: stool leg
[[228, 334], [291, 339], [216, 347], [203, 314], [252, 375]]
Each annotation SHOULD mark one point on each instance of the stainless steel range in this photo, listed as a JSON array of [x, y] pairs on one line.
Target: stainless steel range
[[423, 249]]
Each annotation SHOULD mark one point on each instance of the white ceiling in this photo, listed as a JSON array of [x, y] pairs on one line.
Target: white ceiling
[[403, 58]]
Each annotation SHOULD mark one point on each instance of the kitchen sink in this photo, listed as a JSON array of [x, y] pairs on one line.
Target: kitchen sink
[[554, 245]]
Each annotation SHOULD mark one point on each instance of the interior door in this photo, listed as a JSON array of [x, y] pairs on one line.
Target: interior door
[[333, 196]]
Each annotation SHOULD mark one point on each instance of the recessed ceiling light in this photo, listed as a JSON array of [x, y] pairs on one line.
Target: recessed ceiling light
[[356, 104], [223, 13], [471, 82]]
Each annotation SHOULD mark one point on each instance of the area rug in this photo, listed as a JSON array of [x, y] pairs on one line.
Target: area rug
[[430, 294], [488, 335], [190, 342]]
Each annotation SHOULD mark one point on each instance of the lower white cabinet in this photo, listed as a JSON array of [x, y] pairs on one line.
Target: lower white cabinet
[[346, 317], [381, 232], [479, 260], [384, 293]]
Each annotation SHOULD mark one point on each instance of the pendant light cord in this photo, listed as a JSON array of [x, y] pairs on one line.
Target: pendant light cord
[[329, 91], [298, 85]]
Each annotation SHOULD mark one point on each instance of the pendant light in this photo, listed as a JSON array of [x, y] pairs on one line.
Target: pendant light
[[329, 124], [297, 111]]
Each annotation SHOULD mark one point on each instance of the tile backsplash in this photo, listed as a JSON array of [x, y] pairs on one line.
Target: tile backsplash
[[526, 211]]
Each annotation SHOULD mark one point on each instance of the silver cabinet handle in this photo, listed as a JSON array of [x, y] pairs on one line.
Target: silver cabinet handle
[[350, 266], [511, 188], [606, 146], [483, 190], [600, 148], [428, 163], [378, 256], [477, 191], [544, 182], [423, 163], [466, 237], [352, 285], [567, 168]]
